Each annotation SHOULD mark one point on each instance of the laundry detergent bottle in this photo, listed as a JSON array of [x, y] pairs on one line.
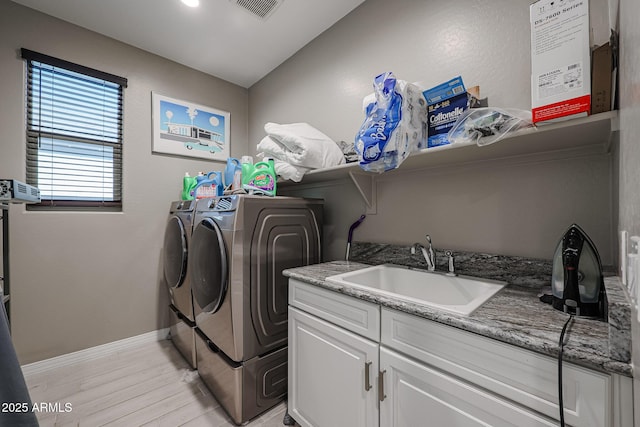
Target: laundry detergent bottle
[[188, 184], [209, 186], [233, 165], [263, 178], [247, 169]]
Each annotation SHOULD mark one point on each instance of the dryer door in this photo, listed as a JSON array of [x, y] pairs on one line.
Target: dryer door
[[208, 265], [283, 238], [175, 252]]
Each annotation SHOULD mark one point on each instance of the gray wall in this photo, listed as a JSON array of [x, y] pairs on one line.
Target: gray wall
[[502, 207], [629, 148], [84, 279], [506, 207], [66, 296]]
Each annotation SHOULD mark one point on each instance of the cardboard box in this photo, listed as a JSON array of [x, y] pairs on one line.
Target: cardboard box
[[601, 79], [560, 60]]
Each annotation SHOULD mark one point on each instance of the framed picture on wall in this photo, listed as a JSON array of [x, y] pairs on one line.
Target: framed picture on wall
[[184, 128]]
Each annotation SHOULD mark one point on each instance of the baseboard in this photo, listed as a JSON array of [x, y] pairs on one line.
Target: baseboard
[[93, 352]]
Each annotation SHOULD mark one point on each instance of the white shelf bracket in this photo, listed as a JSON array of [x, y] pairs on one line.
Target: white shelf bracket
[[366, 185], [615, 123]]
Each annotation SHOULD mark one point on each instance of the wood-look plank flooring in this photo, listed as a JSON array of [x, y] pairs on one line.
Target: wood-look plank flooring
[[147, 385]]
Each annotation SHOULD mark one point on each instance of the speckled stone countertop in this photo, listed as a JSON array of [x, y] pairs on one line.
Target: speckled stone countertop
[[514, 315]]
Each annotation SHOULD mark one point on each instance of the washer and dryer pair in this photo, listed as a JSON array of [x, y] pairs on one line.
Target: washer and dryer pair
[[239, 247]]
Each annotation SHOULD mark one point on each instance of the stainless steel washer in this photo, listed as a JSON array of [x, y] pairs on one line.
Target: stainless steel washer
[[240, 245], [177, 239]]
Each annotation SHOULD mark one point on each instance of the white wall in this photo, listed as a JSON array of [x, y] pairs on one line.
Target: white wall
[[84, 279], [511, 207]]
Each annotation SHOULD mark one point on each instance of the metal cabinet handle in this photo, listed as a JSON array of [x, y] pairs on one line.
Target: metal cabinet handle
[[367, 379], [381, 394]]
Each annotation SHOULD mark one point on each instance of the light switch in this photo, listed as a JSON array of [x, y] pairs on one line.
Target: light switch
[[623, 257]]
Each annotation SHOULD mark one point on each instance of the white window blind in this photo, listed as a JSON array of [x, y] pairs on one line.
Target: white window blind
[[74, 133]]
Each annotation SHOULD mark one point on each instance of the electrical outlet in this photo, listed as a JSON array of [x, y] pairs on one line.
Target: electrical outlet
[[633, 271], [623, 257]]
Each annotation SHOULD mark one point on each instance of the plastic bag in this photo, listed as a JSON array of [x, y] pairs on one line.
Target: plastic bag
[[485, 126], [395, 124]]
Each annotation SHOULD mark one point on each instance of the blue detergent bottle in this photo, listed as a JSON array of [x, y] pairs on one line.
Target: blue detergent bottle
[[217, 179], [197, 180], [209, 186], [233, 165]]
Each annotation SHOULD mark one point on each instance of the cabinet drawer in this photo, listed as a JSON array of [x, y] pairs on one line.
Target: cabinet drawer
[[355, 315], [520, 375]]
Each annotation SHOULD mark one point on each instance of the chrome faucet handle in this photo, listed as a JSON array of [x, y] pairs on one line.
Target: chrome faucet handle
[[431, 255], [414, 247], [452, 269]]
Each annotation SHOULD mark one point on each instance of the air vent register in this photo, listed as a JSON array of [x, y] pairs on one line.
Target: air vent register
[[260, 8]]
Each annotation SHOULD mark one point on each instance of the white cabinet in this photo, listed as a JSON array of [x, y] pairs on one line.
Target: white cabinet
[[522, 376], [418, 395], [331, 373], [353, 363], [333, 358]]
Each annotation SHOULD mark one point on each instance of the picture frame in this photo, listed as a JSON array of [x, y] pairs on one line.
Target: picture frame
[[184, 128]]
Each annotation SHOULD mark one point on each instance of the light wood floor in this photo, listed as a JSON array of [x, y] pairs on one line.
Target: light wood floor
[[148, 385]]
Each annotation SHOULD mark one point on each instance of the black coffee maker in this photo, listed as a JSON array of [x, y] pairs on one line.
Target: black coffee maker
[[577, 284]]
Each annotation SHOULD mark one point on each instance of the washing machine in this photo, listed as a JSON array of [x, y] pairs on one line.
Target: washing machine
[[177, 237], [240, 245]]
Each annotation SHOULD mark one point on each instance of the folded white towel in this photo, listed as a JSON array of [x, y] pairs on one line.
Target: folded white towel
[[301, 144], [272, 148], [289, 171]]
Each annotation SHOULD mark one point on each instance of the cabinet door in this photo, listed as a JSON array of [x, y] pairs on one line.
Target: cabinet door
[[417, 395], [332, 374], [526, 378]]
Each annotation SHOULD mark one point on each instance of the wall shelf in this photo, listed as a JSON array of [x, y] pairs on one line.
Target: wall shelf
[[591, 133]]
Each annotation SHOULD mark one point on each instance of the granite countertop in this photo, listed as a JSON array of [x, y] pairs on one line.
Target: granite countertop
[[514, 315]]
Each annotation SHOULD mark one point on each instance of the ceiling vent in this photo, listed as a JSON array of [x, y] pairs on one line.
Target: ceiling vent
[[260, 8]]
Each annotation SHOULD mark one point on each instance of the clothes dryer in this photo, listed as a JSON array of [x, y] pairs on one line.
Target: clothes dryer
[[240, 246], [177, 237]]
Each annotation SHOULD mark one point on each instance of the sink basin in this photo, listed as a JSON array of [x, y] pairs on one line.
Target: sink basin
[[456, 294]]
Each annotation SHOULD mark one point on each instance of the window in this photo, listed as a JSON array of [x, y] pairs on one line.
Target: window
[[74, 133]]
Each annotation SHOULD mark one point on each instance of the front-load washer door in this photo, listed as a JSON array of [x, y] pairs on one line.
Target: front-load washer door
[[208, 266], [175, 252]]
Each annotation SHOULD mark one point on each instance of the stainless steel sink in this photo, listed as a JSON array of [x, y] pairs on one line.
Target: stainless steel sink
[[457, 294]]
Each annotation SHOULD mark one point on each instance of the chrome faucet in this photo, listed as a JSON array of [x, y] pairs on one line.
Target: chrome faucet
[[428, 253], [452, 268]]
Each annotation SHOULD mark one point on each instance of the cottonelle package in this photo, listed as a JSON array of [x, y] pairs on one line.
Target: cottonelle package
[[395, 124], [560, 60], [446, 102]]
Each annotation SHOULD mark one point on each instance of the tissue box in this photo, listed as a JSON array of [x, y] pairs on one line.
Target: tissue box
[[445, 103], [560, 60]]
